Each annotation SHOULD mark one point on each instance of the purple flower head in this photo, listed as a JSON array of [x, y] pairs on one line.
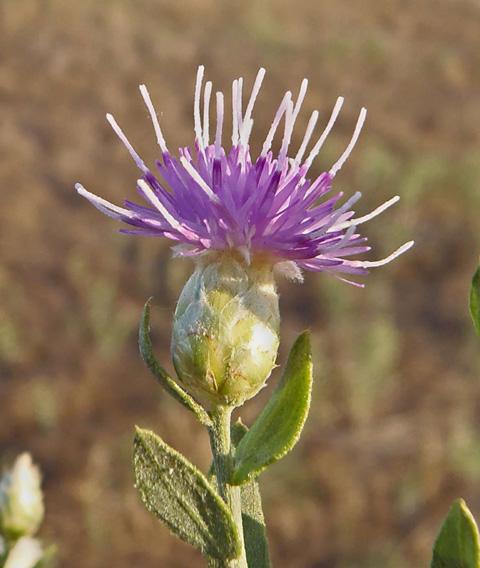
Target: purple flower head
[[213, 199]]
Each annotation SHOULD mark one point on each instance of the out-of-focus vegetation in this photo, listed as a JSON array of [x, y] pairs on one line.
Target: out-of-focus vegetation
[[394, 434]]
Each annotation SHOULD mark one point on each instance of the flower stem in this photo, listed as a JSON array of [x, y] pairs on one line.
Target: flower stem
[[222, 463]]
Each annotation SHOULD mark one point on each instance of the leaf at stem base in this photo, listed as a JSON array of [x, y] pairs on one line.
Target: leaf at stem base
[[254, 529], [176, 492]]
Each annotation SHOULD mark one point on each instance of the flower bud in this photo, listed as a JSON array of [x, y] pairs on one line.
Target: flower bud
[[226, 331], [26, 553], [21, 499]]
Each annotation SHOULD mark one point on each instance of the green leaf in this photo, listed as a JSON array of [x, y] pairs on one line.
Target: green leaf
[[176, 492], [169, 384], [280, 424], [475, 300], [254, 530], [457, 545], [49, 559]]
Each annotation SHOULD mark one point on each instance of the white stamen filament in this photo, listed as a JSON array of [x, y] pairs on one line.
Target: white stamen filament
[[389, 258], [248, 112], [346, 237], [198, 178], [218, 134], [234, 113], [356, 133], [301, 96], [119, 132], [367, 217], [103, 202], [248, 127], [346, 206], [206, 109], [333, 117], [287, 135], [196, 107], [306, 139], [240, 104], [330, 221], [276, 121], [357, 284], [290, 118], [147, 190], [154, 117]]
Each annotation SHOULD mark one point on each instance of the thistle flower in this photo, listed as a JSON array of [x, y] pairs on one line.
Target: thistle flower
[[241, 219], [214, 199]]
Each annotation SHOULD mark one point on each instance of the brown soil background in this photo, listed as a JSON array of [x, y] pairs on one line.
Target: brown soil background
[[393, 434]]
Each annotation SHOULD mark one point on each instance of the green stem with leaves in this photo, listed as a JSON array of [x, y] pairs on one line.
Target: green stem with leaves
[[220, 443]]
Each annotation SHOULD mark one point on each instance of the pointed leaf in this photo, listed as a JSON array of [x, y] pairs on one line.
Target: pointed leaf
[[176, 492], [280, 424], [254, 530], [457, 545], [475, 300], [169, 384], [49, 559]]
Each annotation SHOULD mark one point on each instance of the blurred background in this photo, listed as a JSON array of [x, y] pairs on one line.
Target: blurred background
[[394, 429]]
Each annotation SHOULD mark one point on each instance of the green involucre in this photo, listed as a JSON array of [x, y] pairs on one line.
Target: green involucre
[[226, 331]]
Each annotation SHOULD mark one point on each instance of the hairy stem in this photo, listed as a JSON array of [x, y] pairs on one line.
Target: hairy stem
[[222, 463]]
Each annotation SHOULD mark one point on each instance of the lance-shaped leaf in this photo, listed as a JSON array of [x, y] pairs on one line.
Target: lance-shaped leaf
[[169, 384], [280, 424], [457, 545], [254, 530], [49, 558], [475, 300], [176, 492]]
